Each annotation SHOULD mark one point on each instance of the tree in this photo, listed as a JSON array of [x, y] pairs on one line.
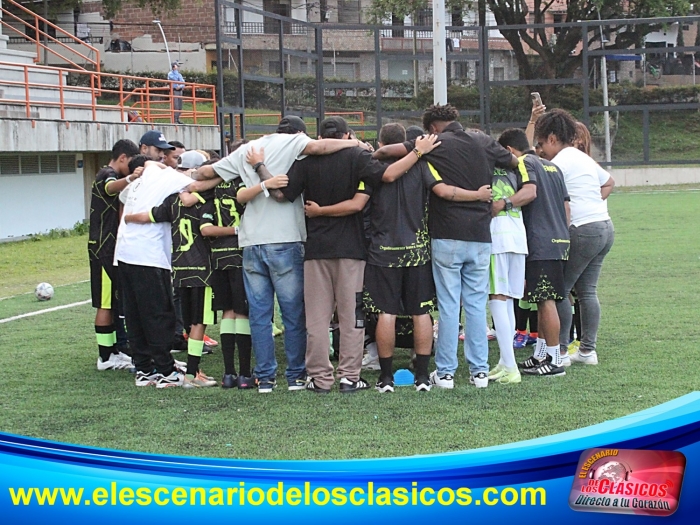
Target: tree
[[556, 55], [111, 7]]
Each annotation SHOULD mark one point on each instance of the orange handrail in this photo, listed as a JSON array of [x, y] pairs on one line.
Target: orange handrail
[[153, 97], [39, 32]]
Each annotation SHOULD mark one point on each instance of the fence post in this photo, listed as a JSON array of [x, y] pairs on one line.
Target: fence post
[[584, 75]]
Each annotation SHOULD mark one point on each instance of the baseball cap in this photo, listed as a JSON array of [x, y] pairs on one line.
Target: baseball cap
[[176, 63], [291, 124], [155, 138], [191, 159], [333, 125]]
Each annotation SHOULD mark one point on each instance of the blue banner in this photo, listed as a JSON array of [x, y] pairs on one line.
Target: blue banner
[[526, 481]]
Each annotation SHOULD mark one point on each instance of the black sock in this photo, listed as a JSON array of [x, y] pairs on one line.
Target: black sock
[[193, 364], [105, 341], [387, 366], [577, 320], [422, 362], [520, 317], [244, 350], [228, 350], [532, 317]]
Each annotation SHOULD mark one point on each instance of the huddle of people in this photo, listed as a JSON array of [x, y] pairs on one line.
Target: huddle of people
[[450, 220]]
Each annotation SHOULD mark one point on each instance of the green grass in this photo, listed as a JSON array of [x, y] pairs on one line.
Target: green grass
[[647, 346], [672, 136]]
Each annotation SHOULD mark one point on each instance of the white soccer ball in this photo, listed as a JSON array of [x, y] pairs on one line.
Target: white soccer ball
[[44, 291]]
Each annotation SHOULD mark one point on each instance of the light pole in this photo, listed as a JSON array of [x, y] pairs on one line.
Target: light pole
[[167, 50], [439, 53]]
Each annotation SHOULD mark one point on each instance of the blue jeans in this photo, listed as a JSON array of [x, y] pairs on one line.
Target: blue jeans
[[461, 270], [271, 269], [590, 243]]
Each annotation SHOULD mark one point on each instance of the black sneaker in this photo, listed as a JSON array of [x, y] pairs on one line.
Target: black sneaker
[[179, 344], [229, 381], [206, 350], [531, 362], [348, 387], [422, 384], [298, 384], [265, 387], [311, 385], [385, 384], [545, 368], [246, 383]]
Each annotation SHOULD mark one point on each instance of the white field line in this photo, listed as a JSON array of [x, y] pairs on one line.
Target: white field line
[[44, 311], [27, 293]]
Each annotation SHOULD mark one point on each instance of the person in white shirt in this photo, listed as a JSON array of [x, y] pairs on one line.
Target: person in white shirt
[[142, 255], [591, 230]]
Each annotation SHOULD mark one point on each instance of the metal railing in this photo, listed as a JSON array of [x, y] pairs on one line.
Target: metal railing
[[137, 99], [269, 27], [90, 56]]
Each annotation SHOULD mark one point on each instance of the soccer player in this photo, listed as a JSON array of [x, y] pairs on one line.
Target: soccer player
[[172, 156], [546, 224], [221, 219], [507, 267], [104, 221]]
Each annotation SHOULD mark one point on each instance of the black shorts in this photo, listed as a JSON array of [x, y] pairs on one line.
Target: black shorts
[[104, 284], [196, 306], [400, 291], [229, 292], [544, 281]]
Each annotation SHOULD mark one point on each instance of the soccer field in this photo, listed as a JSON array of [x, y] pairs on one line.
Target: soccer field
[[649, 292]]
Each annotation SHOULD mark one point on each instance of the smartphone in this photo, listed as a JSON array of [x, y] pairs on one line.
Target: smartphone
[[536, 99]]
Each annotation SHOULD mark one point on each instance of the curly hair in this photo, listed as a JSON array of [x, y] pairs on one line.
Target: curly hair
[[559, 123], [582, 140], [438, 113]]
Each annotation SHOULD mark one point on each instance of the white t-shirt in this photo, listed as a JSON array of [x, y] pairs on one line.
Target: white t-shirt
[[508, 233], [265, 220], [583, 177], [148, 244]]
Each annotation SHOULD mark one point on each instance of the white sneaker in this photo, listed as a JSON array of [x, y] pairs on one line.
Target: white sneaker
[[174, 379], [480, 380], [124, 357], [445, 381], [370, 363], [180, 366], [566, 360], [113, 363], [590, 358]]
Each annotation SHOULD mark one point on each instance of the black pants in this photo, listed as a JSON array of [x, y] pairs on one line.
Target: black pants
[[150, 316]]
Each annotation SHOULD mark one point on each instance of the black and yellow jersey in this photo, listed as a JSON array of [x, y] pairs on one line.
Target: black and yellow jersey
[[191, 260], [223, 210], [104, 216]]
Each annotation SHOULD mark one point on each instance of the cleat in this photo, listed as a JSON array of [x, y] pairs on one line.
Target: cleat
[[520, 340], [507, 377], [531, 339], [574, 346], [200, 380]]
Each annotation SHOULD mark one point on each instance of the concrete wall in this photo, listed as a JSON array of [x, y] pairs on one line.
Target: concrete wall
[[655, 176]]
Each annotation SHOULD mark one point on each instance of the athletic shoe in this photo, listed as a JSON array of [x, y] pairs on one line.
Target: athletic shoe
[[422, 384], [520, 340], [461, 335], [385, 385], [545, 368], [144, 379], [298, 384], [179, 344], [508, 378], [206, 350], [124, 357], [208, 341], [496, 372], [180, 366], [531, 339], [530, 362], [370, 362], [113, 363], [229, 381], [265, 387], [174, 379], [198, 381], [444, 381], [490, 334], [574, 346], [311, 385], [566, 360], [590, 358], [348, 387], [480, 380], [246, 383], [276, 331]]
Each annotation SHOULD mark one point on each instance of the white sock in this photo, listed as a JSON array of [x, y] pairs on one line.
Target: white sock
[[511, 311], [504, 331], [540, 349], [372, 350], [556, 356]]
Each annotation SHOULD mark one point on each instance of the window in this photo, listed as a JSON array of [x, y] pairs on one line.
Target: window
[[35, 164], [396, 21], [499, 73], [558, 19], [349, 11], [279, 7], [424, 17], [457, 16]]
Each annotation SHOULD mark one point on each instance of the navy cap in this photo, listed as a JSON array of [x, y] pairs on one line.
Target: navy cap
[[291, 124], [155, 138]]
